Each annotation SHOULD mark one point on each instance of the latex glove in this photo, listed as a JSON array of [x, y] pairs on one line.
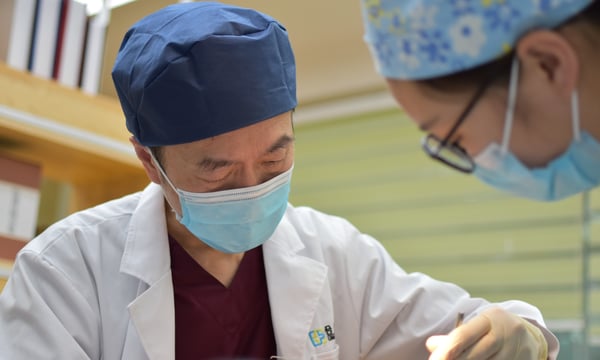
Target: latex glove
[[494, 334]]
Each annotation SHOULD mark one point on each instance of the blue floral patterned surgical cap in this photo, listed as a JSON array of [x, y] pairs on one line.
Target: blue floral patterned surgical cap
[[420, 39], [195, 70]]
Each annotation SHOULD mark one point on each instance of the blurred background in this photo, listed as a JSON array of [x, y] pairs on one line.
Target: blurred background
[[63, 147]]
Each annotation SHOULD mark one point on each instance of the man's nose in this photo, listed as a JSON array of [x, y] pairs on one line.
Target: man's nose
[[249, 177]]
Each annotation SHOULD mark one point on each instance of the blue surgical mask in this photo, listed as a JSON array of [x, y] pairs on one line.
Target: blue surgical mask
[[236, 220], [576, 170]]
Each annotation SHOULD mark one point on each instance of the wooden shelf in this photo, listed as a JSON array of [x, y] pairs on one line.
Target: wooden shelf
[[76, 138]]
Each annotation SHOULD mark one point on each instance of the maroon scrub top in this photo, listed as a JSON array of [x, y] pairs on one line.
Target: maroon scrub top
[[216, 322]]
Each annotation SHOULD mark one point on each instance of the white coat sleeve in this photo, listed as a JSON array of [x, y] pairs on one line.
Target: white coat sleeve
[[398, 311], [43, 316]]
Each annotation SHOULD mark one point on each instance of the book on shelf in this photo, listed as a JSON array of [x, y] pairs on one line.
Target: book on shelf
[[20, 194], [94, 52], [69, 49], [16, 30], [60, 33], [6, 16], [43, 47]]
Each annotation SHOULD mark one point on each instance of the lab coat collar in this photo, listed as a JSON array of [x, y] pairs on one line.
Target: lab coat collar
[[295, 284], [147, 239], [147, 258], [153, 316]]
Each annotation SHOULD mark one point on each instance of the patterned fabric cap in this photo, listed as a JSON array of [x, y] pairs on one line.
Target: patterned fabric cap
[[420, 39]]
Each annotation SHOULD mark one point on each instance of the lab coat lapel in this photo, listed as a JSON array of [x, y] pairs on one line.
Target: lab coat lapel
[[146, 257], [295, 284], [152, 314]]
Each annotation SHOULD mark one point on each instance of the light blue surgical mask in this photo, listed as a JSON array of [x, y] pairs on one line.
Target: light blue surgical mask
[[576, 170], [236, 220]]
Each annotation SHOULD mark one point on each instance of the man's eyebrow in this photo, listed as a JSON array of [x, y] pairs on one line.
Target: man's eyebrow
[[426, 125], [282, 142], [212, 164]]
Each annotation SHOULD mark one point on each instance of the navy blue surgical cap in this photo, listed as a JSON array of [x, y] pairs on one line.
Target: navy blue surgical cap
[[196, 70]]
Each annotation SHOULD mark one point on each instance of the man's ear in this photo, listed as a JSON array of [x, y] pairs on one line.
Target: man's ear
[[549, 59], [142, 154]]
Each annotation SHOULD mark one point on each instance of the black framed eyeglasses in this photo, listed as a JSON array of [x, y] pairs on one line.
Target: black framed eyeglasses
[[452, 154]]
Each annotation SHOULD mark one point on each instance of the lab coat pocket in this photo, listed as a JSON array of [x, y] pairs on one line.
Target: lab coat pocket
[[332, 354]]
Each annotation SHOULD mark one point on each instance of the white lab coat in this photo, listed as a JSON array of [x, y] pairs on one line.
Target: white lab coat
[[98, 286]]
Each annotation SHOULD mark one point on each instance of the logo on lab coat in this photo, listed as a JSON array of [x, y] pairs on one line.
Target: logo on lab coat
[[321, 336]]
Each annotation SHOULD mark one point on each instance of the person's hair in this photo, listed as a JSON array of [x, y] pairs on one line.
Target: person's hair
[[500, 68], [157, 152]]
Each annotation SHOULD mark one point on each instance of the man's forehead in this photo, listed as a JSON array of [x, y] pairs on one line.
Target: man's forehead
[[276, 131]]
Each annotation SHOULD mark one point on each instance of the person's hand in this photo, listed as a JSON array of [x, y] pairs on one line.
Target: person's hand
[[494, 334]]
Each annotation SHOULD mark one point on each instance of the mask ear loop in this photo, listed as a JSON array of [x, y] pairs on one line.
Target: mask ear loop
[[512, 102], [159, 166], [575, 115], [162, 171]]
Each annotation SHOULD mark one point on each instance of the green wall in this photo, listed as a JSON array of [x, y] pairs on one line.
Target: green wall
[[372, 171]]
